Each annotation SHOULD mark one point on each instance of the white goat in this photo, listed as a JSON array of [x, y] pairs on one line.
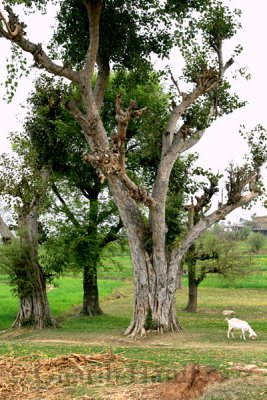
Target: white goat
[[243, 326]]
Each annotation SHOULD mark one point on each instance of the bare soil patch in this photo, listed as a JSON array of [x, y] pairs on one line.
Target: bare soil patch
[[189, 384], [189, 340]]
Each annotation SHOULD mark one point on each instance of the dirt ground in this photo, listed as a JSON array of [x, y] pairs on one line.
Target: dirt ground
[[91, 377], [171, 340], [78, 376], [50, 379]]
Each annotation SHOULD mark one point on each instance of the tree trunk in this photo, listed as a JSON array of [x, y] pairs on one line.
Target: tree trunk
[[154, 299], [192, 290], [154, 283], [91, 305], [89, 258], [179, 279], [34, 309]]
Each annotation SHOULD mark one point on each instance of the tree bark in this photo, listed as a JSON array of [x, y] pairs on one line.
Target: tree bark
[[154, 291], [34, 308], [91, 306], [192, 290], [154, 299], [179, 279]]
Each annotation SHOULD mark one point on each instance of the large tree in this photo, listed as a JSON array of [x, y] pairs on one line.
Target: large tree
[[25, 189], [202, 94], [93, 223], [47, 136]]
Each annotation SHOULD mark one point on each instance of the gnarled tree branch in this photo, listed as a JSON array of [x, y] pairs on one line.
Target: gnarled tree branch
[[40, 57]]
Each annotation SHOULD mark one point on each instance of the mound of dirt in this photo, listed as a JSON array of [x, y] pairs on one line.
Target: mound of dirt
[[190, 383]]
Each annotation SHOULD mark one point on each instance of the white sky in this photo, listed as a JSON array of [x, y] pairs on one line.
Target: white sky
[[221, 144]]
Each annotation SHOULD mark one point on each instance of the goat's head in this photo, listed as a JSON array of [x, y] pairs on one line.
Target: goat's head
[[252, 335]]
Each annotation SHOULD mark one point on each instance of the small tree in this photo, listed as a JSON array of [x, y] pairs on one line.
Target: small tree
[[256, 241], [212, 255]]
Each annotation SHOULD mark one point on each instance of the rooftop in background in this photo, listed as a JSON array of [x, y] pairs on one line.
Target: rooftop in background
[[256, 224]]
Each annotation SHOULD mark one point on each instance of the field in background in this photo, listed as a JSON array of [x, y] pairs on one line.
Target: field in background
[[202, 341]]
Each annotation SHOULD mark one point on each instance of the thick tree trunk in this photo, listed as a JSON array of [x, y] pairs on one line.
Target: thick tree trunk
[[91, 305], [34, 309], [192, 290], [30, 279], [154, 283], [154, 299]]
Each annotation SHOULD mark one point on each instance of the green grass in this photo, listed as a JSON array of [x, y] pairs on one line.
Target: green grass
[[202, 341], [68, 293], [251, 281]]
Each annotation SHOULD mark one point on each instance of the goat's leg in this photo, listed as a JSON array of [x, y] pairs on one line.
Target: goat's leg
[[243, 334]]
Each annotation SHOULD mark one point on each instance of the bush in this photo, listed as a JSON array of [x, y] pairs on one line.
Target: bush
[[256, 242]]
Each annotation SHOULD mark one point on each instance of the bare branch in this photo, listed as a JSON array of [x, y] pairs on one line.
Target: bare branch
[[205, 223], [92, 126], [123, 118], [65, 207], [208, 82], [112, 162], [187, 137], [18, 27], [112, 235], [228, 64], [138, 193], [177, 86], [94, 11], [40, 57]]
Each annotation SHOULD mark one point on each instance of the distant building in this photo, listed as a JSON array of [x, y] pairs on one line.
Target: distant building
[[233, 227], [256, 225], [260, 225]]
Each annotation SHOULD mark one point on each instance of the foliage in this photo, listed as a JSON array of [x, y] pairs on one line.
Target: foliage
[[256, 241], [231, 233], [16, 69], [203, 93], [135, 29], [243, 233], [217, 255], [13, 259]]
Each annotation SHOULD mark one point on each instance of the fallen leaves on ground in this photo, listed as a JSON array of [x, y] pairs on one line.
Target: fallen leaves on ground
[[51, 378]]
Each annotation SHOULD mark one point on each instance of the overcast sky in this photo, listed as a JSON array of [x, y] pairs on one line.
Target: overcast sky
[[222, 143]]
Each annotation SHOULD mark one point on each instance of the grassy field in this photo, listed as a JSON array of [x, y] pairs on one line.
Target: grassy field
[[145, 361]]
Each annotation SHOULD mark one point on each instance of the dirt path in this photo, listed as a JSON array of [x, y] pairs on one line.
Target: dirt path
[[171, 340]]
